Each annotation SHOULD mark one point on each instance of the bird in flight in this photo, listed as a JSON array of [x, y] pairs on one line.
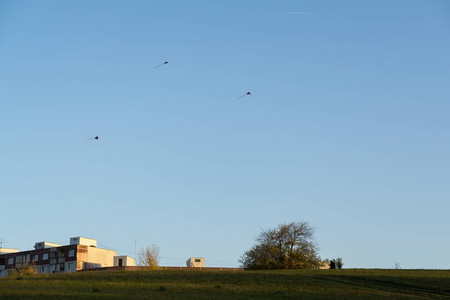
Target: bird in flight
[[247, 94], [164, 63], [94, 138]]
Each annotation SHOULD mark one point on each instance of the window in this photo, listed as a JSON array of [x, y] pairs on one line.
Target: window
[[11, 261], [45, 256], [70, 266], [198, 260], [44, 269], [71, 253], [36, 257], [53, 254]]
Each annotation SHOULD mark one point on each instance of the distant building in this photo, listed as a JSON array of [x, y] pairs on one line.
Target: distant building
[[196, 262], [325, 265], [81, 254], [124, 261]]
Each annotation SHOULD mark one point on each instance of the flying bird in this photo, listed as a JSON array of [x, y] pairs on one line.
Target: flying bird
[[164, 63], [94, 138], [247, 94]]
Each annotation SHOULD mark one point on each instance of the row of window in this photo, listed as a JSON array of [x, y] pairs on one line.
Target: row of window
[[26, 257], [70, 267]]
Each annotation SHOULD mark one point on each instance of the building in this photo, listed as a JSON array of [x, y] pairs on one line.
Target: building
[[195, 262], [124, 261], [324, 265], [81, 254]]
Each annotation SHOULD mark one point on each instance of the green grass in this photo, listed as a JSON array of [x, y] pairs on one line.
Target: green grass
[[195, 284]]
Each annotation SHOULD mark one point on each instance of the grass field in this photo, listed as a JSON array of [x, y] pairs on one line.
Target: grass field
[[195, 284]]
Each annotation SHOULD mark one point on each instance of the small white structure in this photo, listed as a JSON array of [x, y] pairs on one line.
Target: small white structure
[[195, 262], [45, 245], [79, 240], [124, 261]]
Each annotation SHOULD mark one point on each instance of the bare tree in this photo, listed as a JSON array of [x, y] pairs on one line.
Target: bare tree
[[149, 257], [289, 246]]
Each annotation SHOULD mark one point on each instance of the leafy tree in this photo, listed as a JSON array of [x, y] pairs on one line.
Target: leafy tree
[[24, 269], [289, 246], [339, 262], [149, 257]]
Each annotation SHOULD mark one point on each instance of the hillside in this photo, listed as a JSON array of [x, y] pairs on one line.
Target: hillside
[[194, 284]]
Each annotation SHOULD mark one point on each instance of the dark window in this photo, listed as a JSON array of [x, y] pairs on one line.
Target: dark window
[[198, 260]]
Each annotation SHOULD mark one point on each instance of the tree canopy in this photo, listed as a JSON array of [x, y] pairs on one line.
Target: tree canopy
[[289, 246]]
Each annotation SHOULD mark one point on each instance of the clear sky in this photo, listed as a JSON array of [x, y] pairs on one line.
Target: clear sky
[[347, 126]]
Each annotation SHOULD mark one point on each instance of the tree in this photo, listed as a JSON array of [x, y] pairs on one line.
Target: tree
[[23, 267], [149, 257], [289, 246], [339, 262]]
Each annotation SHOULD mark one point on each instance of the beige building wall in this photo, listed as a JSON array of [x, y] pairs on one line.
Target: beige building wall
[[100, 257], [81, 256], [92, 257]]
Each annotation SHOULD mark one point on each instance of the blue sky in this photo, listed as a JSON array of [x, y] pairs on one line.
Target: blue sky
[[346, 127]]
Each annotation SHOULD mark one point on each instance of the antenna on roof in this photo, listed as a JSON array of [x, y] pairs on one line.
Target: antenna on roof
[[2, 240]]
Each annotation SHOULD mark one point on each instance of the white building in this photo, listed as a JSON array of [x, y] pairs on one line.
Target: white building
[[195, 262], [81, 254], [123, 261]]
